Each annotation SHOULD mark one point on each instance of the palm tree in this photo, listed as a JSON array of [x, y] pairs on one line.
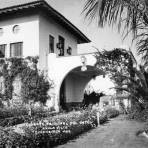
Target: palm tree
[[131, 16]]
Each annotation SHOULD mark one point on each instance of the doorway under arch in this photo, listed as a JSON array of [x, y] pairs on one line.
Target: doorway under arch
[[73, 86]]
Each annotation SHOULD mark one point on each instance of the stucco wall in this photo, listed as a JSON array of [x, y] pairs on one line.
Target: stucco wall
[[49, 27], [28, 34], [59, 69]]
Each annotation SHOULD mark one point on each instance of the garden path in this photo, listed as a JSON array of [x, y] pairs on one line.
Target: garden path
[[117, 133]]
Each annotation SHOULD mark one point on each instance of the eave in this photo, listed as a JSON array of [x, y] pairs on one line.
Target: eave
[[44, 6]]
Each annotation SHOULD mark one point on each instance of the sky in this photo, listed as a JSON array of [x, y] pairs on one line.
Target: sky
[[102, 38], [107, 38], [102, 84]]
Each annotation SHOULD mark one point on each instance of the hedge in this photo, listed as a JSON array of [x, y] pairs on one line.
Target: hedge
[[112, 112], [50, 131]]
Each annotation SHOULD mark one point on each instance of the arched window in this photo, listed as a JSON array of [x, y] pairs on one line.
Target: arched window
[[16, 29]]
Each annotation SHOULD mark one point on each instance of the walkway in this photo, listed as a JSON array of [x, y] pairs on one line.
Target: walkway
[[118, 133]]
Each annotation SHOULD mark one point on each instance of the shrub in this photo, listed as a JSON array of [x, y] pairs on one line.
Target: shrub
[[34, 86], [40, 112], [112, 112], [9, 138], [1, 103], [138, 113], [103, 118], [139, 116], [17, 115], [51, 130], [122, 107], [23, 110], [14, 121], [13, 112], [37, 115], [59, 129]]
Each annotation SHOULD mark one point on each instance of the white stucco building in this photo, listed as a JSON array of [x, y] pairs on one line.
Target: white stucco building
[[34, 28]]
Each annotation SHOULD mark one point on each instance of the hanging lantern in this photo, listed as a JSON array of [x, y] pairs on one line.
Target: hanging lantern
[[69, 51], [83, 60], [83, 68]]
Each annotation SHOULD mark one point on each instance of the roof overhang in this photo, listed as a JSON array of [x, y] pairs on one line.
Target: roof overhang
[[44, 6]]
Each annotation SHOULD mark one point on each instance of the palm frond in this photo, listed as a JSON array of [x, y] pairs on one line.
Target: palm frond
[[130, 15]]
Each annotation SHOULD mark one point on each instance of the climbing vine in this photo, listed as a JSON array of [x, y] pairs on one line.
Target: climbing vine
[[34, 84], [117, 63], [126, 73]]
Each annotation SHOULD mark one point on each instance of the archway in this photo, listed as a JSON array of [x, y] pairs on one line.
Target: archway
[[72, 87]]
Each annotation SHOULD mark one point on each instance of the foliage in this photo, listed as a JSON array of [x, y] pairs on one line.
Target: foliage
[[34, 83], [13, 112], [35, 86], [138, 113], [103, 118], [92, 98], [14, 120], [1, 103], [16, 115], [112, 112], [55, 130], [8, 137], [128, 76], [117, 63], [129, 15], [123, 109], [51, 131]]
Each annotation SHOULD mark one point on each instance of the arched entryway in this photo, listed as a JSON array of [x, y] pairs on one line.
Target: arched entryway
[[73, 85]]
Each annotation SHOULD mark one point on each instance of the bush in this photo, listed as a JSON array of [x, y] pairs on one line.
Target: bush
[[138, 113], [61, 128], [10, 138], [23, 110], [52, 130], [112, 112], [18, 115], [139, 116], [103, 118], [34, 86], [13, 112], [40, 112], [14, 121]]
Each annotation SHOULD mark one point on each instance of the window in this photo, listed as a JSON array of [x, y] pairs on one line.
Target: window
[[2, 50], [1, 31], [16, 49], [51, 44], [62, 45], [16, 29]]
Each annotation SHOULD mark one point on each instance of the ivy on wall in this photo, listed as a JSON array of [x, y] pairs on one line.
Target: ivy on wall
[[34, 83]]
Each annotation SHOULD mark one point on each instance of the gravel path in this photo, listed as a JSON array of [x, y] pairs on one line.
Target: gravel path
[[118, 133]]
